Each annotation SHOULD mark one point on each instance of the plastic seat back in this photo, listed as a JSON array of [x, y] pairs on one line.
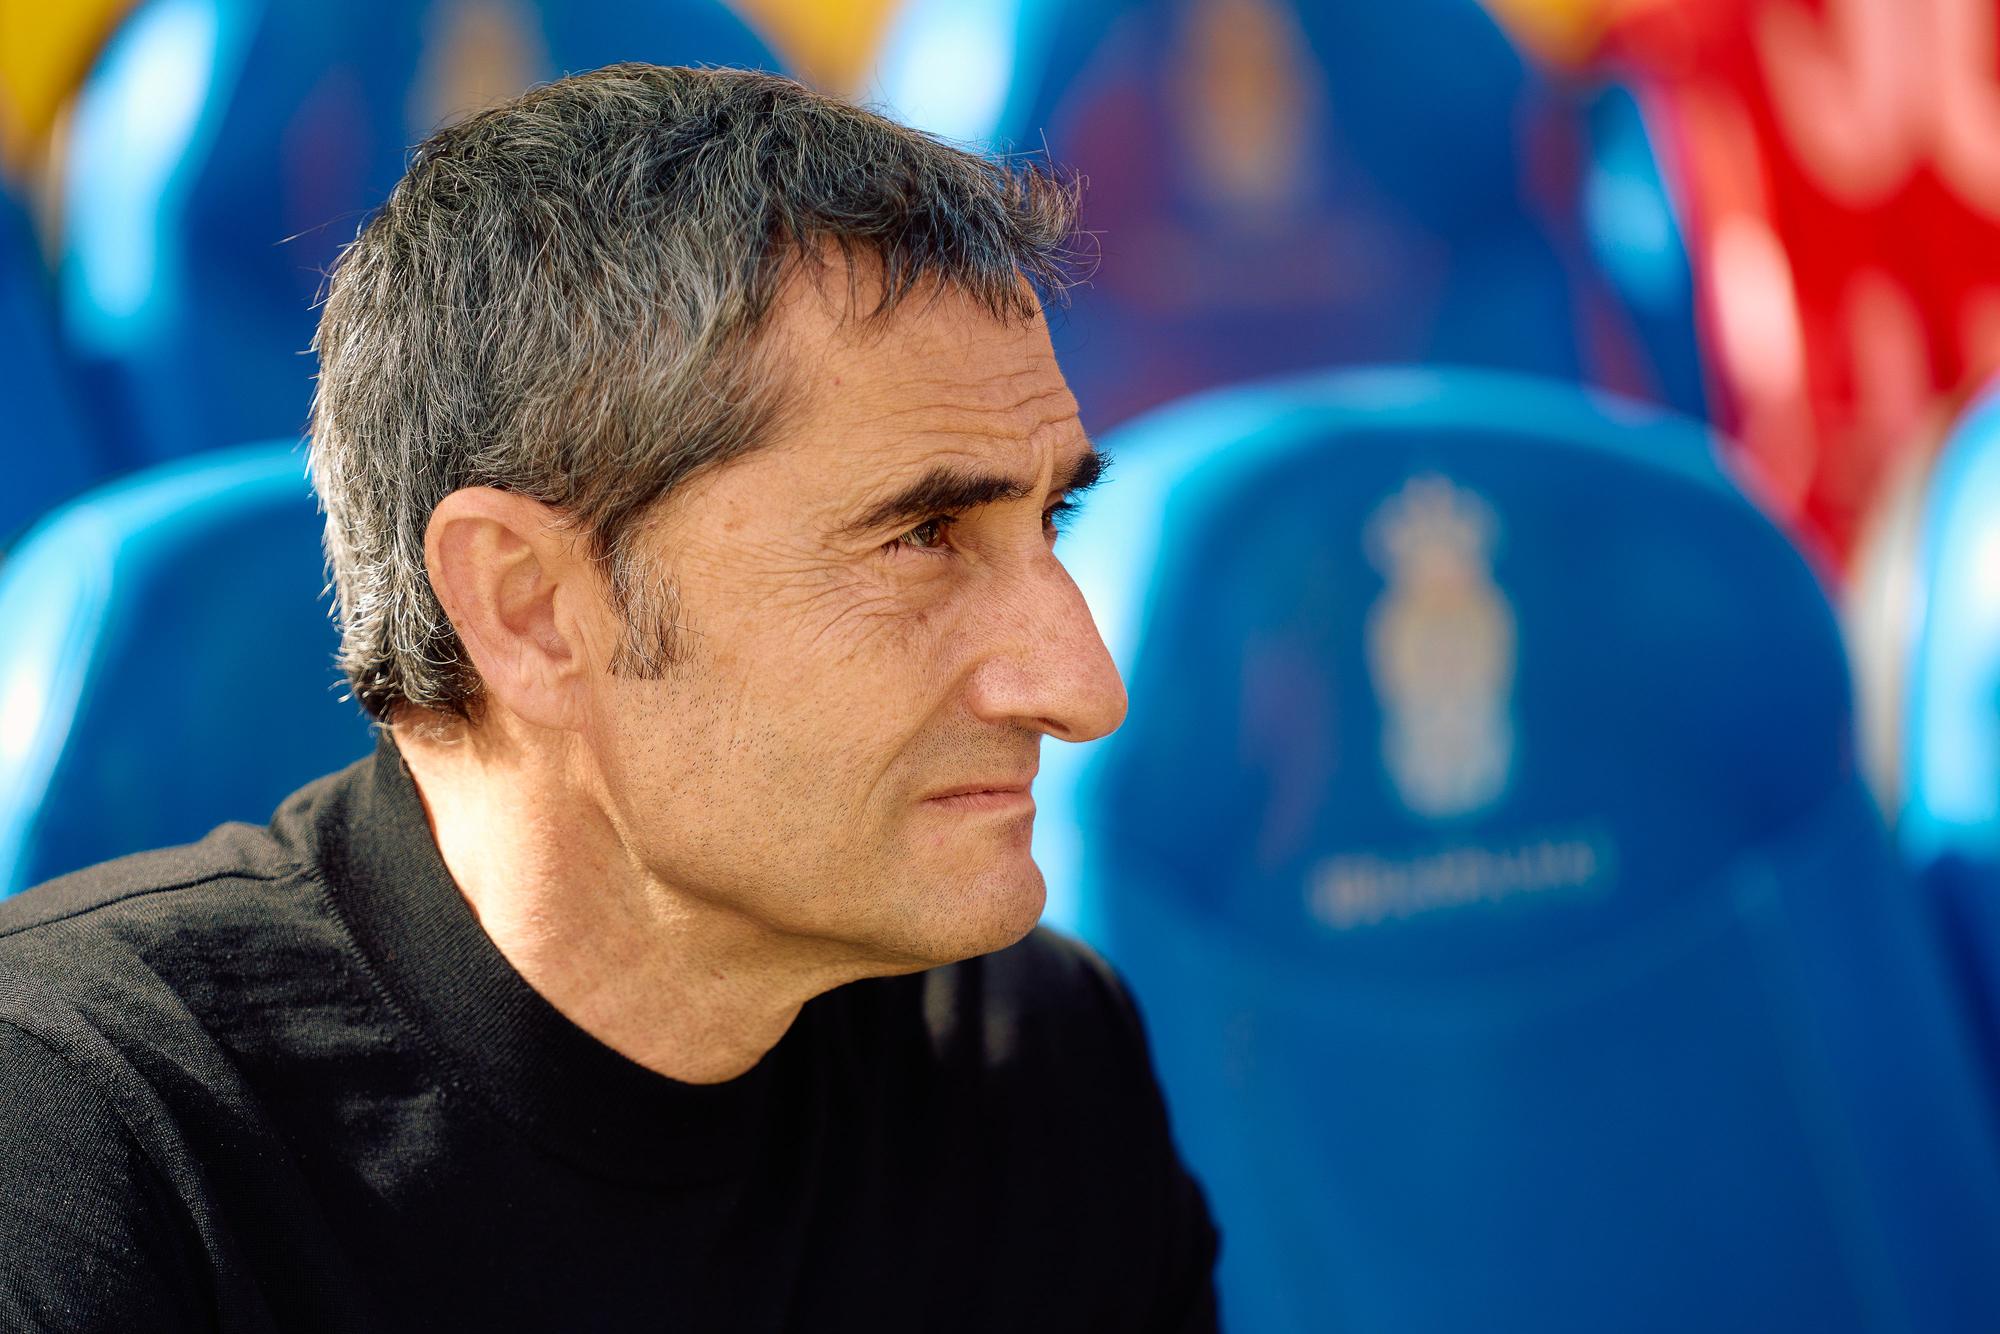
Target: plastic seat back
[[1276, 186], [224, 151], [1950, 822], [44, 437], [168, 663], [1520, 948], [1951, 800]]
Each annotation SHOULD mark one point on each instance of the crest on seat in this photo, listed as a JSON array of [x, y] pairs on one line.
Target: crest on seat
[[1441, 648]]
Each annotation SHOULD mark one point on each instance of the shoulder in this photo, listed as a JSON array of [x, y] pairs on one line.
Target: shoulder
[[145, 885], [230, 851], [132, 901], [111, 968], [147, 953], [61, 1129], [91, 1235]]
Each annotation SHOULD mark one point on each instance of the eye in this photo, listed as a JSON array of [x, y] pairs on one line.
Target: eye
[[928, 535], [1056, 518]]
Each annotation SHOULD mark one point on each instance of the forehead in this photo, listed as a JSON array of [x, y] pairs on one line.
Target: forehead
[[937, 376]]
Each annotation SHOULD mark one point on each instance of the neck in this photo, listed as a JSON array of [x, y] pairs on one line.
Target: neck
[[686, 987]]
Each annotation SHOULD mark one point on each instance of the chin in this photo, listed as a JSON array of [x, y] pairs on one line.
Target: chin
[[989, 910], [1023, 908]]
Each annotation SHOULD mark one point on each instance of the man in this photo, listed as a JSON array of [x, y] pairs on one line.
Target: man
[[692, 451]]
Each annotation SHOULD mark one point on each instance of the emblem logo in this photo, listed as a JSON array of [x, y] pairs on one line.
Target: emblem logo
[[1441, 648]]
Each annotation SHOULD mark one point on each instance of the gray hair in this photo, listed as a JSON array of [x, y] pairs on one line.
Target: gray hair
[[562, 298]]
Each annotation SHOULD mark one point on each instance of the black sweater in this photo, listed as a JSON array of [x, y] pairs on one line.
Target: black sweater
[[281, 1080]]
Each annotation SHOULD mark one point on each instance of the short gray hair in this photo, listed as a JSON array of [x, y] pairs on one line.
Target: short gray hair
[[562, 299]]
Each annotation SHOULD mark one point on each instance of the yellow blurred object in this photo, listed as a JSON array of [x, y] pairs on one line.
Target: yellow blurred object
[[45, 50], [477, 53], [1563, 33], [831, 43], [1248, 92]]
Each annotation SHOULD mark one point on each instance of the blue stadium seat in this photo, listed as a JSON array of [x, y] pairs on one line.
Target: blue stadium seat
[[1950, 821], [168, 663], [1520, 948], [1951, 764], [45, 439], [1279, 185], [223, 151]]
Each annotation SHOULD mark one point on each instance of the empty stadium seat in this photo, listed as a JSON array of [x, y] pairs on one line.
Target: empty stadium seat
[[1950, 822], [224, 151], [1275, 186], [1952, 731], [50, 451], [168, 663], [1520, 948]]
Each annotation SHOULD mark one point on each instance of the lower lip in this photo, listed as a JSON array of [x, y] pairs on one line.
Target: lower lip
[[992, 800]]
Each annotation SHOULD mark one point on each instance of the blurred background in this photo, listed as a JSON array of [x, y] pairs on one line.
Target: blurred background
[[1555, 554]]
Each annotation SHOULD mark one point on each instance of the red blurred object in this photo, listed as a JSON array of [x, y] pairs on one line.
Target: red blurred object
[[1839, 163]]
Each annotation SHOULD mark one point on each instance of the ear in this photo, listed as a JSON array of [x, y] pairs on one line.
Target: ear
[[521, 597]]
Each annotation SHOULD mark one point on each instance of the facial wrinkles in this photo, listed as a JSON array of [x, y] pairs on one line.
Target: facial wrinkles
[[846, 590], [780, 579], [1005, 406], [867, 709], [775, 723], [910, 653]]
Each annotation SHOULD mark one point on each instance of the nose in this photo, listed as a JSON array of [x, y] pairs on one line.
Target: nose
[[1046, 667]]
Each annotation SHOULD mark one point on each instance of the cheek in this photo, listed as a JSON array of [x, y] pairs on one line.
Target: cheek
[[813, 712], [866, 644]]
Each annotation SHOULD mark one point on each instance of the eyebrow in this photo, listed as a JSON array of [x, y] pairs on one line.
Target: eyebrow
[[947, 489]]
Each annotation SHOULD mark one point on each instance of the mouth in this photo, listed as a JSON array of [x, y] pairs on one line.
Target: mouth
[[985, 796]]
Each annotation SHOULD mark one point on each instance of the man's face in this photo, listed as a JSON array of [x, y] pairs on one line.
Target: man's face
[[878, 634]]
